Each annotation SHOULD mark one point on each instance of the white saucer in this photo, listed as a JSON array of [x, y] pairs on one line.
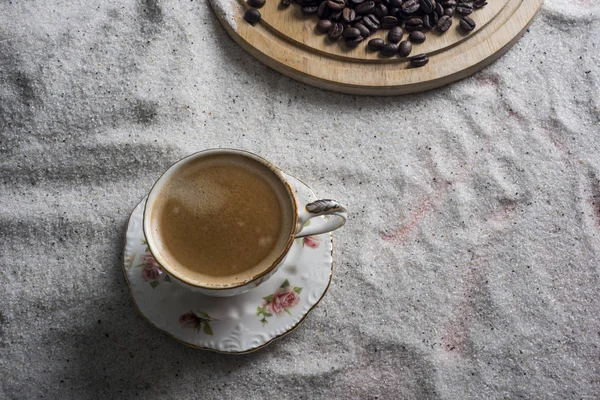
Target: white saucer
[[237, 324]]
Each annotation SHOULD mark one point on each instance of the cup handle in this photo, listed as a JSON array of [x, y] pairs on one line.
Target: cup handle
[[316, 209]]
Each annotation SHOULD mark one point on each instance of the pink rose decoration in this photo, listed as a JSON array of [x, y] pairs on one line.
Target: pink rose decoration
[[312, 241], [193, 321], [283, 298], [189, 320], [281, 301], [149, 260], [152, 272]]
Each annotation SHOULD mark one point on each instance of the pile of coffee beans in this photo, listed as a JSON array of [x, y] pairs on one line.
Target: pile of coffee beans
[[356, 20]]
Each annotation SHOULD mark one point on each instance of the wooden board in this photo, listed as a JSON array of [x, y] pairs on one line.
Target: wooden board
[[286, 41]]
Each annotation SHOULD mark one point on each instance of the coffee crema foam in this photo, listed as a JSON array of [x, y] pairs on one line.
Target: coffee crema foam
[[222, 219]]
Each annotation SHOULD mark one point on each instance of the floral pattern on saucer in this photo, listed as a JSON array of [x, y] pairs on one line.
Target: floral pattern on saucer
[[237, 324], [311, 241], [283, 299], [152, 271], [191, 320]]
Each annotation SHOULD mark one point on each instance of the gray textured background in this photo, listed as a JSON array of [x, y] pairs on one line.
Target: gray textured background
[[470, 268]]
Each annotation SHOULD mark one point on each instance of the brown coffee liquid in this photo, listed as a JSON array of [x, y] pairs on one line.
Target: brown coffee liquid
[[222, 219]]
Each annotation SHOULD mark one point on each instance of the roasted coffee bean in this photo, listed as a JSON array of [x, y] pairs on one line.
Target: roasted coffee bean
[[410, 6], [376, 44], [388, 22], [371, 22], [364, 31], [427, 22], [336, 4], [256, 3], [335, 31], [403, 17], [467, 24], [414, 24], [395, 34], [427, 5], [324, 25], [365, 8], [381, 11], [389, 49], [335, 15], [323, 11], [433, 19], [404, 48], [351, 33], [417, 37], [353, 42], [444, 23], [348, 14], [356, 20], [464, 8], [419, 60], [310, 9], [252, 16]]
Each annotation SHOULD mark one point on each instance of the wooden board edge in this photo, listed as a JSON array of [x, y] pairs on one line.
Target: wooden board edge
[[396, 89]]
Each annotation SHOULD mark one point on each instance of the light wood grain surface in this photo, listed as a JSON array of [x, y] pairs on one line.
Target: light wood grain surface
[[286, 40]]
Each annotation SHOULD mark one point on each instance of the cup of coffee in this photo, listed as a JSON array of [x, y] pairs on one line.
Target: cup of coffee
[[222, 221]]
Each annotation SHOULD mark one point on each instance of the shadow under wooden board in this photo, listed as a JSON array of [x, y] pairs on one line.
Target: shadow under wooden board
[[286, 41]]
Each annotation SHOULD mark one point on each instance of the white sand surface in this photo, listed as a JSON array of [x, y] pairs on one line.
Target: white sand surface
[[470, 267]]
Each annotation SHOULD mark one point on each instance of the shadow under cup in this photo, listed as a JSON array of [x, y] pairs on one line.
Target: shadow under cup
[[220, 221]]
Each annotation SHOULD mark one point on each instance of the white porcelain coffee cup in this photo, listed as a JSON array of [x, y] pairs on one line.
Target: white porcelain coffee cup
[[300, 214]]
